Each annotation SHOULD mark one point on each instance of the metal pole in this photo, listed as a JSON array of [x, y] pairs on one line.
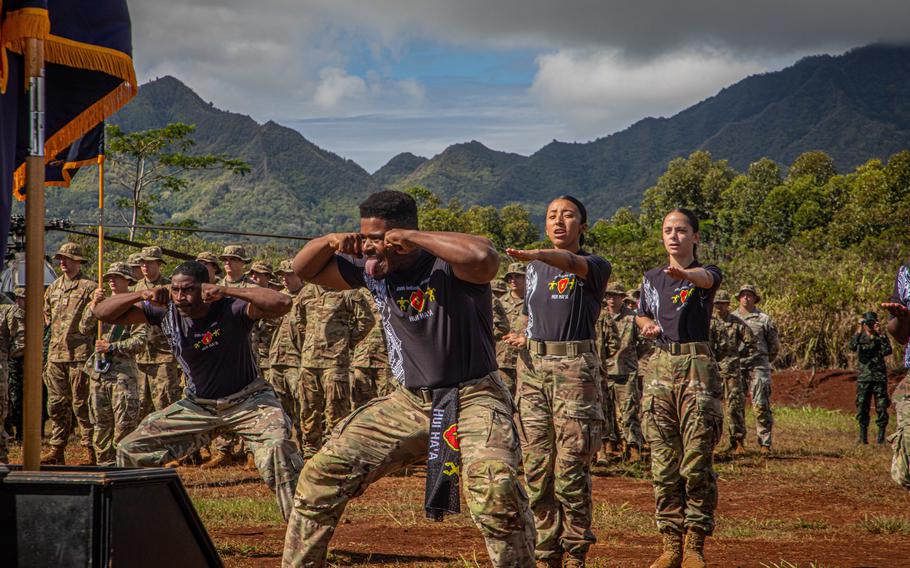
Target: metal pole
[[34, 256], [100, 227]]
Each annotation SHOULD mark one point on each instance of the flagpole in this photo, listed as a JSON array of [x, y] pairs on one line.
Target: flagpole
[[100, 221], [34, 256]]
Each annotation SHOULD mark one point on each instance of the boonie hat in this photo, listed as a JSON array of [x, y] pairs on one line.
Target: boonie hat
[[615, 289], [261, 267], [285, 267], [516, 268], [120, 269], [135, 259], [152, 253], [722, 297], [206, 256], [234, 251], [71, 251], [749, 288]]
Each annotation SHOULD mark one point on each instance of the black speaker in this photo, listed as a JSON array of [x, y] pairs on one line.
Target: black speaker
[[97, 517]]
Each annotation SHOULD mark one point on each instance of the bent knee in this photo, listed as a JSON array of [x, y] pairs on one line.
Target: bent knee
[[495, 497]]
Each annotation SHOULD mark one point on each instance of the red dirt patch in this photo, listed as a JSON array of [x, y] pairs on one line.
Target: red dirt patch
[[834, 389]]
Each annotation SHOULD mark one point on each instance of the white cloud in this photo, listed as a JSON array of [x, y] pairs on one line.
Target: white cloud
[[598, 91], [336, 86]]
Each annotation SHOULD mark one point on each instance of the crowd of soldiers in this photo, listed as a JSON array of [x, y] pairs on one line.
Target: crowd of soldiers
[[323, 359]]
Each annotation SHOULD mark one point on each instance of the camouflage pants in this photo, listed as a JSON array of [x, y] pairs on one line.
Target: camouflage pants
[[561, 420], [67, 394], [683, 408], [326, 401], [865, 390], [392, 432], [735, 406], [253, 414], [4, 408], [900, 439], [158, 385], [509, 379], [286, 382], [367, 383], [610, 431], [113, 406], [760, 387], [626, 397]]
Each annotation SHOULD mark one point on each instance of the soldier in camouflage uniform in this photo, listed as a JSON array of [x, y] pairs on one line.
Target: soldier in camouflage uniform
[[766, 345], [683, 395], [335, 321], [618, 342], [135, 263], [12, 341], [67, 386], [158, 380], [512, 303], [284, 351], [113, 393], [261, 274], [899, 327], [208, 327], [371, 376], [210, 261], [14, 367], [731, 340], [871, 348], [499, 288]]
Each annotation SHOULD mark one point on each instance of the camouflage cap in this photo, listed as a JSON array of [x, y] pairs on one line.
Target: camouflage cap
[[749, 288], [209, 257], [262, 267], [152, 253], [285, 267], [870, 317], [498, 286], [134, 259], [234, 251], [71, 251], [276, 285], [20, 291], [516, 268], [120, 269], [722, 297], [615, 289], [631, 299]]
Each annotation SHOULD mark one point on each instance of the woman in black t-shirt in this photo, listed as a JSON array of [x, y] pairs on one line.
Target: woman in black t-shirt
[[682, 402], [559, 398]]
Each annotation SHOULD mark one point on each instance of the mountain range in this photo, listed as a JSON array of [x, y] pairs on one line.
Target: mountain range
[[855, 106]]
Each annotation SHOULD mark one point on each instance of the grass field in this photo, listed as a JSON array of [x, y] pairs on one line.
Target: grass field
[[820, 501]]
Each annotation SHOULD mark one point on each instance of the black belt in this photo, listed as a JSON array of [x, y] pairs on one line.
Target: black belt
[[560, 348], [690, 348]]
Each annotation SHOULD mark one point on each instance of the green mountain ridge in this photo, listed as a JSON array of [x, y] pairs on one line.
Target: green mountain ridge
[[854, 107]]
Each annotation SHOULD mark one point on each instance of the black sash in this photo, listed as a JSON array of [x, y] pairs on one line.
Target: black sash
[[444, 459]]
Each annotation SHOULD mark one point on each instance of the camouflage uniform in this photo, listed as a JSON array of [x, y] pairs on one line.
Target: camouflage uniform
[[683, 411], [335, 322], [114, 401], [284, 362], [900, 439], [12, 341], [158, 379], [67, 385], [253, 414], [618, 339], [392, 432], [766, 344], [561, 423], [730, 341], [506, 355], [872, 379], [371, 376], [265, 327]]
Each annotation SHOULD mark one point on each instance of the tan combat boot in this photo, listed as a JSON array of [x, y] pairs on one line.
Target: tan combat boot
[[218, 459], [634, 454], [694, 553], [573, 561], [250, 462], [672, 551], [88, 456], [740, 449], [53, 456]]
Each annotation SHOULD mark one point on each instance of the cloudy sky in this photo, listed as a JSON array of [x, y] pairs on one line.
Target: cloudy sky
[[371, 78]]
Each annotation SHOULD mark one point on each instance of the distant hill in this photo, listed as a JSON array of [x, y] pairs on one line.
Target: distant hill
[[854, 107], [294, 186]]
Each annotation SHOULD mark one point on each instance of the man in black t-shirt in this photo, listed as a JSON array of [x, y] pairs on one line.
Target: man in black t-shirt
[[208, 329], [433, 296]]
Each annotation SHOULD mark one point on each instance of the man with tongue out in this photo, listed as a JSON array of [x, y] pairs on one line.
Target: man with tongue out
[[433, 296]]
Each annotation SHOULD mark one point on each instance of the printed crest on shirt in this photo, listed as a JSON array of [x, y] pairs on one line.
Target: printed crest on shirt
[[562, 286], [416, 301]]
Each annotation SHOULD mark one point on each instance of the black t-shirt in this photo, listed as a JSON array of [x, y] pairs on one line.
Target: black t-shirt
[[682, 310], [438, 329], [562, 306], [215, 351]]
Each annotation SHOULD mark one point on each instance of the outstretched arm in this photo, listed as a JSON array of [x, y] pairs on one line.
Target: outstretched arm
[[316, 261], [562, 259], [473, 258], [122, 309], [263, 302], [698, 276]]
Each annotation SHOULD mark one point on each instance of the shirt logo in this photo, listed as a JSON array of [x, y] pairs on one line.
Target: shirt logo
[[562, 284], [207, 340], [416, 301]]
